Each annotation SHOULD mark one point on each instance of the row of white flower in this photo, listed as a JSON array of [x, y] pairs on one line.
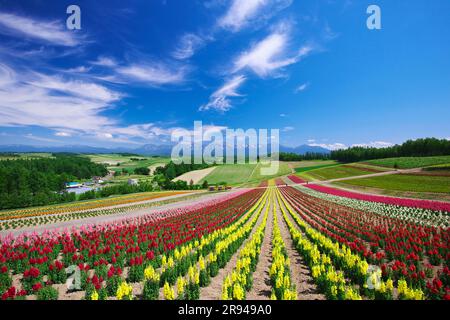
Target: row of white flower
[[424, 217]]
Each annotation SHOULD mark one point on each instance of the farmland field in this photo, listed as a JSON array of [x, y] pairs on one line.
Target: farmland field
[[243, 173], [250, 243], [410, 162], [404, 182], [342, 171], [230, 173], [127, 162]]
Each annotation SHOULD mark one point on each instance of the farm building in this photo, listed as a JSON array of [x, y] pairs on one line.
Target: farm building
[[133, 182], [70, 185]]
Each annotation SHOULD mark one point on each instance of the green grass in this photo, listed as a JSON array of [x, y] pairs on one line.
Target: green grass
[[230, 173], [439, 167], [311, 163], [404, 182], [337, 172], [236, 174], [283, 169], [410, 162], [31, 155], [305, 169]]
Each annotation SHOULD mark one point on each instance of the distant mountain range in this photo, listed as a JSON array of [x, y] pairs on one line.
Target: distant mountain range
[[148, 149]]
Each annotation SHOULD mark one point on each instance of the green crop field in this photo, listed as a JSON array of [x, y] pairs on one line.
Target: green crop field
[[314, 167], [283, 169], [311, 163], [230, 173], [410, 162], [404, 182], [342, 171], [235, 174], [126, 162]]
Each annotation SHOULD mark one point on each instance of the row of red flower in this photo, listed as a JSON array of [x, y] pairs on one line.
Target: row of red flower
[[415, 203], [114, 246]]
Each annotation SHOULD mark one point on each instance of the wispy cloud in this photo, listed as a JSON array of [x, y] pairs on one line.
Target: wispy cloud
[[241, 13], [41, 139], [187, 46], [287, 129], [154, 73], [53, 32], [301, 87], [63, 134], [105, 62], [220, 99], [270, 54]]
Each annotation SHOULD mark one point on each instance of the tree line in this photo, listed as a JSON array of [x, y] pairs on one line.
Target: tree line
[[290, 156], [426, 147]]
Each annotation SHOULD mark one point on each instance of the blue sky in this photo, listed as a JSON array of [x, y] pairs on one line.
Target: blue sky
[[137, 70]]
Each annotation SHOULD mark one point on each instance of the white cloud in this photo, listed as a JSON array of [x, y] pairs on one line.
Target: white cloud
[[220, 99], [105, 62], [244, 13], [311, 140], [153, 74], [331, 146], [37, 138], [301, 87], [76, 88], [287, 129], [80, 69], [53, 32], [282, 115], [63, 134], [36, 99], [269, 55], [187, 46], [374, 144], [240, 12]]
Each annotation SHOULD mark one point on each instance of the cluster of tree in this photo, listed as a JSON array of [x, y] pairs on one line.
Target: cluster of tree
[[144, 171], [117, 189], [289, 156], [9, 155], [171, 170], [32, 182], [411, 148]]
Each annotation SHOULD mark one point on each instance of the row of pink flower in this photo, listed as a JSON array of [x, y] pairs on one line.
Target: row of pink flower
[[296, 179], [29, 238], [415, 203]]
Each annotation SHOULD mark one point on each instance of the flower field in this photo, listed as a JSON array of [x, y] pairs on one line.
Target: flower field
[[34, 217], [250, 243]]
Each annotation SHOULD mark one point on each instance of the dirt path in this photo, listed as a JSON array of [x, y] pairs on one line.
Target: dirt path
[[262, 288], [214, 290], [300, 272], [196, 176]]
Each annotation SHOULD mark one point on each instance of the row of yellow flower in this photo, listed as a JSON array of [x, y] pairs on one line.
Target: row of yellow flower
[[354, 266], [227, 236], [280, 270], [240, 280], [330, 281]]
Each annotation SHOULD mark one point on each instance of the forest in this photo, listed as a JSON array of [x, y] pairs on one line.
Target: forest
[[32, 182]]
